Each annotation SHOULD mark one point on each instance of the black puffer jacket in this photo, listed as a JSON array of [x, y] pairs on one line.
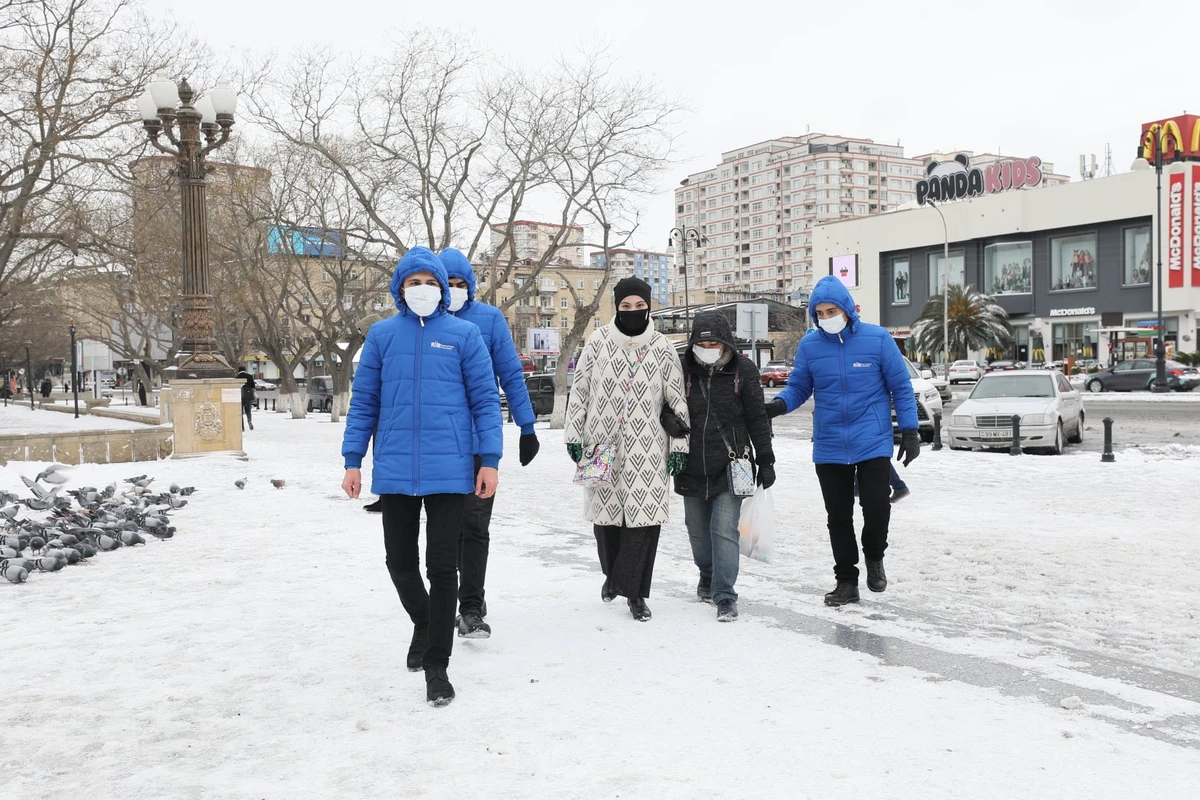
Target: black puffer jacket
[[735, 397]]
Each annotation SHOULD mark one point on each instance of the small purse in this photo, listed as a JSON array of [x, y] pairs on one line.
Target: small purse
[[596, 469], [741, 469]]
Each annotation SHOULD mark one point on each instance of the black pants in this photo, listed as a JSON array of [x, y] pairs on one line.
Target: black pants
[[401, 529], [627, 557], [837, 487], [246, 411], [473, 541]]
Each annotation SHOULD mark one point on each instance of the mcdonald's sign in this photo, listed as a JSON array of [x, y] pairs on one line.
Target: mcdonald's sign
[[1176, 135]]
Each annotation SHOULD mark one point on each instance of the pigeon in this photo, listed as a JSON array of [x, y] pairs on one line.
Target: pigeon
[[240, 484], [13, 573], [36, 543], [10, 511], [72, 555], [50, 564], [187, 491], [277, 483], [106, 542], [9, 552], [174, 488], [131, 538]]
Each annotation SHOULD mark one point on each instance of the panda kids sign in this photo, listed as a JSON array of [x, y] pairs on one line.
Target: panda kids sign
[[957, 179]]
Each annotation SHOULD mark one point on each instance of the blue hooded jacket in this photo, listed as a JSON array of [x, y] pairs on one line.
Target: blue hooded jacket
[[497, 339], [852, 375], [422, 387]]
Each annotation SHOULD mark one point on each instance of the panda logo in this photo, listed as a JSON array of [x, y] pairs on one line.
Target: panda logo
[[952, 180]]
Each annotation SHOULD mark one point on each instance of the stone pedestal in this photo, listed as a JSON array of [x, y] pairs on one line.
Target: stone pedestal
[[207, 415]]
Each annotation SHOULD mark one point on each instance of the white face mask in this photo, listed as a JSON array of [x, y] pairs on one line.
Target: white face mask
[[833, 324], [422, 300], [458, 298], [706, 355]]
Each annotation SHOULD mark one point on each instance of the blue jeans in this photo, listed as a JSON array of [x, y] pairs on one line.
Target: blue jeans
[[713, 530]]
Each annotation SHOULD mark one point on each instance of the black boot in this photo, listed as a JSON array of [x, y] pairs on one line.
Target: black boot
[[845, 592], [607, 592], [639, 609], [704, 589], [416, 650], [876, 577], [438, 691], [471, 626], [374, 508]]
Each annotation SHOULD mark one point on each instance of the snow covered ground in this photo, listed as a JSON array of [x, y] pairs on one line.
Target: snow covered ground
[[260, 653], [20, 419]]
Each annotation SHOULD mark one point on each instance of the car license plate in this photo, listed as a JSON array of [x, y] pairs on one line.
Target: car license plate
[[1002, 433]]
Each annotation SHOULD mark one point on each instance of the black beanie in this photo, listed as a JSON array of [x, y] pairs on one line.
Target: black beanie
[[628, 287]]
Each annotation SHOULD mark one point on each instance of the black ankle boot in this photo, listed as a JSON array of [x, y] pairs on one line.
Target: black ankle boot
[[845, 592], [438, 691], [639, 609], [416, 650], [704, 589], [876, 577], [607, 592]]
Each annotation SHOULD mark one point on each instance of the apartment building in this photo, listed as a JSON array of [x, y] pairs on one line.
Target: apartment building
[[530, 240], [653, 268], [757, 208]]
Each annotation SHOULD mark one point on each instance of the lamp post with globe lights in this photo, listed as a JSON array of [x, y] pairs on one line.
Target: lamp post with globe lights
[[174, 113]]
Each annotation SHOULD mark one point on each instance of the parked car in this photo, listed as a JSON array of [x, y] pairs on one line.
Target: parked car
[[929, 401], [1050, 408], [965, 371], [541, 391], [264, 386], [320, 393], [1139, 373], [527, 364], [941, 384], [780, 362], [775, 375], [1004, 366]]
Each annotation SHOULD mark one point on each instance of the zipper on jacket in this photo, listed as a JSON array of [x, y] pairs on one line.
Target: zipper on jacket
[[704, 439], [845, 390], [417, 412]]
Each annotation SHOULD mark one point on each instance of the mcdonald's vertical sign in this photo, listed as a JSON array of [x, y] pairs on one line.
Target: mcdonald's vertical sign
[[1178, 235], [1195, 217]]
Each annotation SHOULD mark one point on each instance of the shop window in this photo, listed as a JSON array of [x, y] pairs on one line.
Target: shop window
[[1073, 263], [939, 268], [901, 295], [1074, 340], [1138, 254], [1008, 268]]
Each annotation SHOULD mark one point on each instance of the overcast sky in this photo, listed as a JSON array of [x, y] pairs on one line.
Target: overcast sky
[[1054, 78]]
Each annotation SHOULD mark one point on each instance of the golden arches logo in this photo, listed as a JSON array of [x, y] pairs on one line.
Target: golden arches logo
[[1156, 137]]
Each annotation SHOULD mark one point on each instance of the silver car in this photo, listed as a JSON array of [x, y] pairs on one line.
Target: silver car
[[1050, 409]]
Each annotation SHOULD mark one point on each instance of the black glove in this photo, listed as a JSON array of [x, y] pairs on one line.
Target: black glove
[[775, 408], [529, 448], [766, 476], [575, 451], [910, 447]]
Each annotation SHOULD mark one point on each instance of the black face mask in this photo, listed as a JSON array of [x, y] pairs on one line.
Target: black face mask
[[633, 323]]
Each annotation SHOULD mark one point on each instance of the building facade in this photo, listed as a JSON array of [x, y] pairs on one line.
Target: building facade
[[757, 208], [1073, 264], [653, 268], [529, 241]]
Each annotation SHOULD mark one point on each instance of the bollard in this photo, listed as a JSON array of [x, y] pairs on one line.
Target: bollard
[[937, 430], [1108, 456], [1016, 442]]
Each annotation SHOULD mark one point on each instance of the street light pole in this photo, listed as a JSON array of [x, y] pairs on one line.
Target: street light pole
[[29, 373], [1160, 141], [164, 106], [945, 290], [74, 371], [4, 376], [685, 239]]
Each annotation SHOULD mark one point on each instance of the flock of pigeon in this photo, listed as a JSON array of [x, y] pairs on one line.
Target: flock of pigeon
[[81, 524]]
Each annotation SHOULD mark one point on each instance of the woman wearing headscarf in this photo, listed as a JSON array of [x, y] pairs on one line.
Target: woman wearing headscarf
[[627, 373]]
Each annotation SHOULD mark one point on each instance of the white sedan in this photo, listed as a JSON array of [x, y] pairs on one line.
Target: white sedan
[[1050, 409], [965, 371]]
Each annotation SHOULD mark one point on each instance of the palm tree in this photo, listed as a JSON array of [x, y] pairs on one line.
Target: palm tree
[[977, 322]]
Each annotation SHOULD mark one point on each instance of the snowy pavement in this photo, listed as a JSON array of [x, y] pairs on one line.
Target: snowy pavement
[[260, 652], [20, 419]]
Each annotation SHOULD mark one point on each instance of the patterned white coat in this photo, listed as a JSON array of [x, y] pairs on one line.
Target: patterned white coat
[[641, 493]]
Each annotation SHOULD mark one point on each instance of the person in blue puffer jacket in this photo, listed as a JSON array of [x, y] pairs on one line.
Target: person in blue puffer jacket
[[424, 384], [855, 373], [474, 537]]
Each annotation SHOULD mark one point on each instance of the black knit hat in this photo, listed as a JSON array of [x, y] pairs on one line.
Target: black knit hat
[[631, 287]]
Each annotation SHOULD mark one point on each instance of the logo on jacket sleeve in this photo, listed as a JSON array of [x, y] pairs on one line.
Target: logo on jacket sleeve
[[441, 346]]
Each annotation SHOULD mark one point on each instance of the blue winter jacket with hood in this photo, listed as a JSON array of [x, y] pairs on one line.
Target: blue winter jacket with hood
[[422, 387], [496, 337], [854, 376]]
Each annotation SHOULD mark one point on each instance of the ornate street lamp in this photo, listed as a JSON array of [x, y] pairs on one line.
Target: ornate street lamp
[[29, 373], [167, 109], [686, 239], [1158, 142]]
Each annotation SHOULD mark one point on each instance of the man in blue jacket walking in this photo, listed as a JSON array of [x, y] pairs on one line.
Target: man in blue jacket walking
[[425, 390], [474, 537], [855, 373]]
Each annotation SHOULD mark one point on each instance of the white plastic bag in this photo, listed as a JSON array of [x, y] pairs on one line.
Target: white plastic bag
[[756, 529]]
